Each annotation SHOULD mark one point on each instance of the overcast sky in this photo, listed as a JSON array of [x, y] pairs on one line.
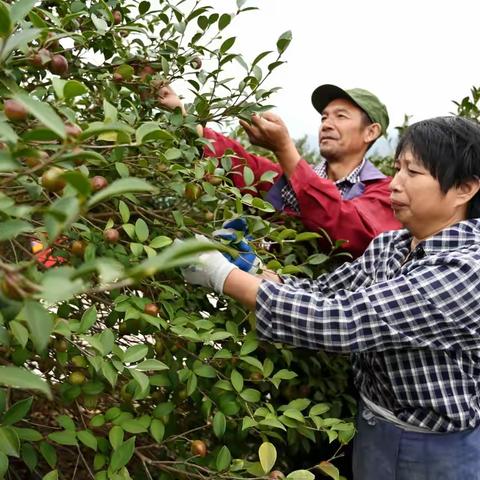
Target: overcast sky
[[415, 55]]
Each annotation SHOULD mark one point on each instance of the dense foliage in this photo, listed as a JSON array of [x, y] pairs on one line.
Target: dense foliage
[[112, 367]]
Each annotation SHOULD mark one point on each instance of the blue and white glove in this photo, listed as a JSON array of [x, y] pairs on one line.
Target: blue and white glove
[[235, 234], [211, 271]]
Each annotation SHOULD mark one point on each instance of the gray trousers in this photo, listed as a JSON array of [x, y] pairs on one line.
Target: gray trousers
[[383, 451]]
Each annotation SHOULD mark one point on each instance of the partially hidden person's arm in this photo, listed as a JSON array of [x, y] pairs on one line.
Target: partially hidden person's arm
[[418, 310], [241, 158], [358, 220]]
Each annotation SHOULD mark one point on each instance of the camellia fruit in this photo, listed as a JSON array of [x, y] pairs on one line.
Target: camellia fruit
[[192, 191], [58, 65], [198, 448], [146, 71], [72, 129], [36, 159], [196, 63], [213, 179], [117, 77], [41, 58], [11, 287], [98, 183], [276, 475], [14, 110], [111, 235], [78, 248], [52, 181], [76, 378], [151, 309]]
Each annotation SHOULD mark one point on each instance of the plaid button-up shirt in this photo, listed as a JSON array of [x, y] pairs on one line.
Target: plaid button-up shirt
[[411, 319], [343, 184]]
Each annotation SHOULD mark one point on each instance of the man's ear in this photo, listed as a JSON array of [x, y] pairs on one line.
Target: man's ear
[[372, 132], [467, 190]]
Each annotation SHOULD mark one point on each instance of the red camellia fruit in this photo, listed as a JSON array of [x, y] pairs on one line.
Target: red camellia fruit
[[276, 475], [111, 235], [59, 65], [14, 110], [199, 448], [146, 71], [73, 130], [41, 58], [98, 183], [117, 77], [151, 309]]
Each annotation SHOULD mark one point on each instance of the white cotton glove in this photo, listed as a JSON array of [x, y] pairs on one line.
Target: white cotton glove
[[211, 271]]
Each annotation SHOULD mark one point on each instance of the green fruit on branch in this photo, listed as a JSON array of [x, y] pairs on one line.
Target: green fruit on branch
[[52, 179], [79, 361], [77, 378], [14, 110], [60, 345]]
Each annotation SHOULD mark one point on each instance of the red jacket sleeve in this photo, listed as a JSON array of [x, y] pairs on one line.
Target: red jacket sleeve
[[259, 165], [358, 220]]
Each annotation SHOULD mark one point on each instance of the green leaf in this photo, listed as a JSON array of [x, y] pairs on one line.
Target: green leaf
[[133, 426], [237, 380], [20, 9], [121, 187], [19, 332], [219, 424], [17, 412], [74, 88], [115, 436], [88, 439], [267, 454], [5, 21], [250, 395], [9, 442], [65, 437], [319, 409], [17, 377], [19, 39], [135, 353], [248, 176], [141, 230], [224, 458], [66, 422], [151, 364], [28, 434], [12, 228], [53, 475], [43, 112], [78, 181], [3, 464], [157, 429], [89, 318], [284, 41], [49, 453], [205, 371], [227, 44], [160, 242], [122, 455], [150, 131], [306, 236], [39, 322], [329, 469]]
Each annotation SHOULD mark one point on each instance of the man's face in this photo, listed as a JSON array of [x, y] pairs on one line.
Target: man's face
[[343, 132], [418, 201]]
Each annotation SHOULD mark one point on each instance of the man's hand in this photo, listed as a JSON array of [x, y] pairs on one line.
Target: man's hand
[[268, 130], [167, 98], [211, 271], [235, 234]]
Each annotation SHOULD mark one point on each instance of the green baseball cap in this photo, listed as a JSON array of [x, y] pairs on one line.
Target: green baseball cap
[[367, 101]]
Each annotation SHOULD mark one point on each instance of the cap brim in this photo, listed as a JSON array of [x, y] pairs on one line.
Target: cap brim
[[324, 94]]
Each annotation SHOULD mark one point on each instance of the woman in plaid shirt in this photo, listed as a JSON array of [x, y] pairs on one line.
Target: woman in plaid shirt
[[407, 311]]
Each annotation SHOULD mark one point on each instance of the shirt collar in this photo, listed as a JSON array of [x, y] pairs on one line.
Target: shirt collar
[[353, 177], [461, 235]]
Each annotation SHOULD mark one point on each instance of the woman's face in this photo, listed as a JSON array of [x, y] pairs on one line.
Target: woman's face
[[417, 200]]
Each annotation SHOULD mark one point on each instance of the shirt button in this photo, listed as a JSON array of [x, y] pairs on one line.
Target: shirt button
[[419, 252]]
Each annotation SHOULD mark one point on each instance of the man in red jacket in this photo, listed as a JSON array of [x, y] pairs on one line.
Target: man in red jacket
[[345, 194]]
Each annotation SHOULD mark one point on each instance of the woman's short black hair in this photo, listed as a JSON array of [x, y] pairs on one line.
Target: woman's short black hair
[[449, 147]]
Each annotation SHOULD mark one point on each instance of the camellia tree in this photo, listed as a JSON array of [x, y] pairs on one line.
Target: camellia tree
[[111, 367]]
